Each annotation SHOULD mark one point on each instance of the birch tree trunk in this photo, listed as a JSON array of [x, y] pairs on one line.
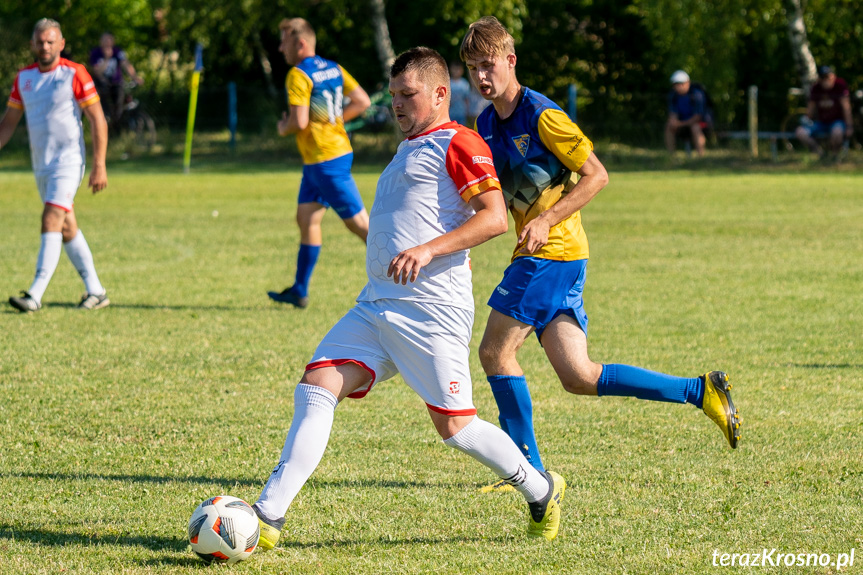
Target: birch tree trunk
[[384, 45], [803, 59]]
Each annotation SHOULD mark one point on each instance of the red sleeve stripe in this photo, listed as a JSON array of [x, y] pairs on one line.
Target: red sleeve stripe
[[495, 183]]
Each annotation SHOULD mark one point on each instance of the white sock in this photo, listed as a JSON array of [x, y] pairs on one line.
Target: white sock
[[314, 408], [46, 263], [82, 258], [492, 447]]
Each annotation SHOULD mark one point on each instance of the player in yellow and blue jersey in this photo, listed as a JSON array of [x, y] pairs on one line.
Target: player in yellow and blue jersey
[[548, 173], [317, 89]]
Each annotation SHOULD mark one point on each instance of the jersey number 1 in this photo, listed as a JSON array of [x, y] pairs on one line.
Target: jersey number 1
[[334, 103]]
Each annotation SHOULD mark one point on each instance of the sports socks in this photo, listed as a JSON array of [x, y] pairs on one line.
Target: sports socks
[[82, 258], [314, 408], [307, 257], [46, 263], [628, 381], [516, 414], [490, 446]]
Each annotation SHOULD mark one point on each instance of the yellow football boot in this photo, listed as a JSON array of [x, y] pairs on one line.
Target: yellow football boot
[[547, 510], [718, 406], [270, 530]]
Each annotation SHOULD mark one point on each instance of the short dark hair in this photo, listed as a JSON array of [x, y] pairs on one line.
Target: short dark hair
[[430, 66]]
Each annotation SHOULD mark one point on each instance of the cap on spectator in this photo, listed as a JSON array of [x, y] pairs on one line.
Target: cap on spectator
[[679, 77], [824, 71]]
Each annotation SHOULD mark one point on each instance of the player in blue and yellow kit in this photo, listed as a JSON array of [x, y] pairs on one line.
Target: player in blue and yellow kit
[[537, 153], [316, 91]]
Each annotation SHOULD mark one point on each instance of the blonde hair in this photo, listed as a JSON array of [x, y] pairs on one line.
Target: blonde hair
[[46, 24], [486, 37], [299, 28]]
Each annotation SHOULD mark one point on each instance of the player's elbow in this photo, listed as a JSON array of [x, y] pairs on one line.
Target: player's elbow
[[359, 100], [603, 178], [364, 103], [498, 225]]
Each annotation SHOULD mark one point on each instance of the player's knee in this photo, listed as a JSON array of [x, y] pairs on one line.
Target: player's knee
[[583, 381], [579, 386], [491, 358], [69, 234]]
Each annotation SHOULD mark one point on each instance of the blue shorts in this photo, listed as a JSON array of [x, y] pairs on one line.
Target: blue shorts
[[330, 184], [535, 291], [822, 130]]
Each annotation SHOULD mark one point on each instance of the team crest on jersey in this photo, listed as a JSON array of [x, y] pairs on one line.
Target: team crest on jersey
[[28, 85], [427, 145], [454, 387], [522, 143]]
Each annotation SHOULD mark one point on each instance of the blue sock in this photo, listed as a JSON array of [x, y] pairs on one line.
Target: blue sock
[[629, 381], [516, 414], [306, 260]]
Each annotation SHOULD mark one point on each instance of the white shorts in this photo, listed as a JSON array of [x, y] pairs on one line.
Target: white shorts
[[427, 343], [59, 188]]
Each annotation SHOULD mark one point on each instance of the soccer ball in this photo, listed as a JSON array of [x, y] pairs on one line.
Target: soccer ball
[[223, 529]]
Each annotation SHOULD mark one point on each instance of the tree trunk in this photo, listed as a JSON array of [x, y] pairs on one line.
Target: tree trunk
[[382, 36], [266, 68], [803, 59]]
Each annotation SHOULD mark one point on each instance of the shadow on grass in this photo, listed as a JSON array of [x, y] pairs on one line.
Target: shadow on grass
[[387, 543], [155, 306], [45, 537], [384, 544], [229, 482], [175, 545], [827, 365], [189, 561]]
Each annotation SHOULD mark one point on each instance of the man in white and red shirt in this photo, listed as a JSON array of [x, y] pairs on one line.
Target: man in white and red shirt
[[53, 92], [437, 198]]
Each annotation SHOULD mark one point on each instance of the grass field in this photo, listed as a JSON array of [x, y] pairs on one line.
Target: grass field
[[116, 424]]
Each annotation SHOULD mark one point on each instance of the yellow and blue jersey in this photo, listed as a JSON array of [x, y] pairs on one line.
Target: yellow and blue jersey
[[536, 150], [321, 85]]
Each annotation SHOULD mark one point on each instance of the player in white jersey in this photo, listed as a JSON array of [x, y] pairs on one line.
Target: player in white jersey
[[53, 92], [437, 198]]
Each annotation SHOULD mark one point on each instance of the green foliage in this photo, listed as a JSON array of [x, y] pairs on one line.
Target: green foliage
[[599, 47], [116, 424], [619, 53]]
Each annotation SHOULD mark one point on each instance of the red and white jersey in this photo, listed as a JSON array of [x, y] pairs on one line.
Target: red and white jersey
[[52, 102], [423, 193]]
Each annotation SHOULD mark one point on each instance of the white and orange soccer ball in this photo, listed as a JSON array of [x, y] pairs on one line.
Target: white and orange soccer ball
[[223, 529]]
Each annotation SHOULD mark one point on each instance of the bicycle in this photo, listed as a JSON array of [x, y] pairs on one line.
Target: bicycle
[[797, 116], [135, 120], [377, 118]]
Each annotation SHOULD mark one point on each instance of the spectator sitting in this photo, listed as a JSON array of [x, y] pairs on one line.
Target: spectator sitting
[[828, 112], [689, 114], [108, 63]]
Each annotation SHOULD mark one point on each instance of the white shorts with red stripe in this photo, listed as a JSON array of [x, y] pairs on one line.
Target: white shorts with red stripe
[[426, 343], [58, 188]]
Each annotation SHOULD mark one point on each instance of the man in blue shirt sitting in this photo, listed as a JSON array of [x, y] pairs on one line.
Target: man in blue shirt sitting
[[689, 114]]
